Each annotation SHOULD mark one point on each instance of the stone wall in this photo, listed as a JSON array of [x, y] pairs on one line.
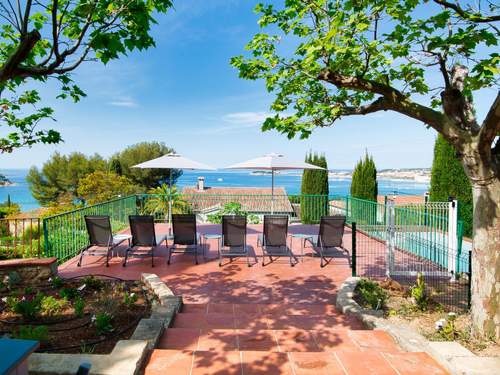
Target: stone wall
[[28, 271]]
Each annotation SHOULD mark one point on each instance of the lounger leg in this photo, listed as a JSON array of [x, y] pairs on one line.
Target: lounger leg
[[248, 258], [220, 258], [196, 254], [169, 255], [79, 264], [107, 256], [126, 257]]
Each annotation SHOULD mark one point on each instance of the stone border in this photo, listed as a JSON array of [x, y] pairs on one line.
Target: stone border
[[128, 356], [450, 354]]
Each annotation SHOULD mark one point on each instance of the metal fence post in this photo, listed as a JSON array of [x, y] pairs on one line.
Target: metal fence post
[[353, 262], [46, 237], [469, 289]]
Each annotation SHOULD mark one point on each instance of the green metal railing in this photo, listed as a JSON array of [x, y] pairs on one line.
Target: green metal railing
[[419, 229], [304, 208], [65, 234]]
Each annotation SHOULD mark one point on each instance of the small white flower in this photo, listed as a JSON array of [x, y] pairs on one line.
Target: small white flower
[[452, 315], [132, 295], [4, 299], [440, 324], [93, 319], [50, 279], [23, 299]]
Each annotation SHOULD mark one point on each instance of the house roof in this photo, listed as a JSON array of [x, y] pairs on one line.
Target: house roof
[[252, 199]]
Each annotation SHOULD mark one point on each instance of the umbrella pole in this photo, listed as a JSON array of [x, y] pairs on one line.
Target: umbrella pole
[[272, 191], [170, 203]]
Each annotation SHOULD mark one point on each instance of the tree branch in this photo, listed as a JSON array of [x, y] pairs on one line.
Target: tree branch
[[380, 104], [474, 17], [26, 17], [491, 125], [396, 101], [11, 66], [358, 84]]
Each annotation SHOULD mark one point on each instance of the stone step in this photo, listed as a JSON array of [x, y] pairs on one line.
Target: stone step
[[252, 308], [228, 320], [193, 362], [285, 340]]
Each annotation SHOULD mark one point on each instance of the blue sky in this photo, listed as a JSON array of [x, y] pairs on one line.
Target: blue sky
[[185, 93]]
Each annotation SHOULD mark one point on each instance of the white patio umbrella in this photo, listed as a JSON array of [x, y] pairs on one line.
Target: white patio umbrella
[[172, 161], [273, 162]]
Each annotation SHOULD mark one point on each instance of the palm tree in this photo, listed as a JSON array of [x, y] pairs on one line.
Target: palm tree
[[158, 201]]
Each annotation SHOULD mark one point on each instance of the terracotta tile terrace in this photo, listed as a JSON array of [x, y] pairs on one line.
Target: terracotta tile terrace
[[273, 319]]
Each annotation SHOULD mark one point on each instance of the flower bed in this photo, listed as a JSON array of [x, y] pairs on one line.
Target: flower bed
[[79, 315], [416, 307]]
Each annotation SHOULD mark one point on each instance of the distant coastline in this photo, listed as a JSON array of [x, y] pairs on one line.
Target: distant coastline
[[419, 175], [393, 182]]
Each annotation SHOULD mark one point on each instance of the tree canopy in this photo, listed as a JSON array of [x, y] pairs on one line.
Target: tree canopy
[[100, 186], [325, 60], [58, 178], [90, 179], [448, 179], [123, 161], [50, 39]]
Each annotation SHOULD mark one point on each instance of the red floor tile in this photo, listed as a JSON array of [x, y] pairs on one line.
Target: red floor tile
[[221, 308], [247, 309], [220, 321], [262, 363], [169, 362], [375, 340], [414, 364], [219, 363], [218, 339], [365, 363], [194, 308], [179, 338], [295, 340], [245, 321], [257, 340], [190, 320], [334, 340], [315, 364]]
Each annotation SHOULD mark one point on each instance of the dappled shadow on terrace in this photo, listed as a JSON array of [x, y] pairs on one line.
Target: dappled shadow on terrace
[[277, 282]]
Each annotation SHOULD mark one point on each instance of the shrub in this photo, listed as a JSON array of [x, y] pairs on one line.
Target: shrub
[[103, 323], [28, 307], [419, 293], [79, 306], [57, 282], [69, 293], [232, 208], [51, 306], [38, 333], [93, 283], [129, 299], [372, 294]]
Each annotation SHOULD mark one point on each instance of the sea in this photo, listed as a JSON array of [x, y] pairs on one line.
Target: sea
[[20, 193]]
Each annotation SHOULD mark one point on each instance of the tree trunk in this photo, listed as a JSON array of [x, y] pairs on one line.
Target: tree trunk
[[486, 260]]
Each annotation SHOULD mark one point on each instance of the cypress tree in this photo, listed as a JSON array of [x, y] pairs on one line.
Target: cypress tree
[[364, 187], [448, 178], [314, 182], [364, 183]]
